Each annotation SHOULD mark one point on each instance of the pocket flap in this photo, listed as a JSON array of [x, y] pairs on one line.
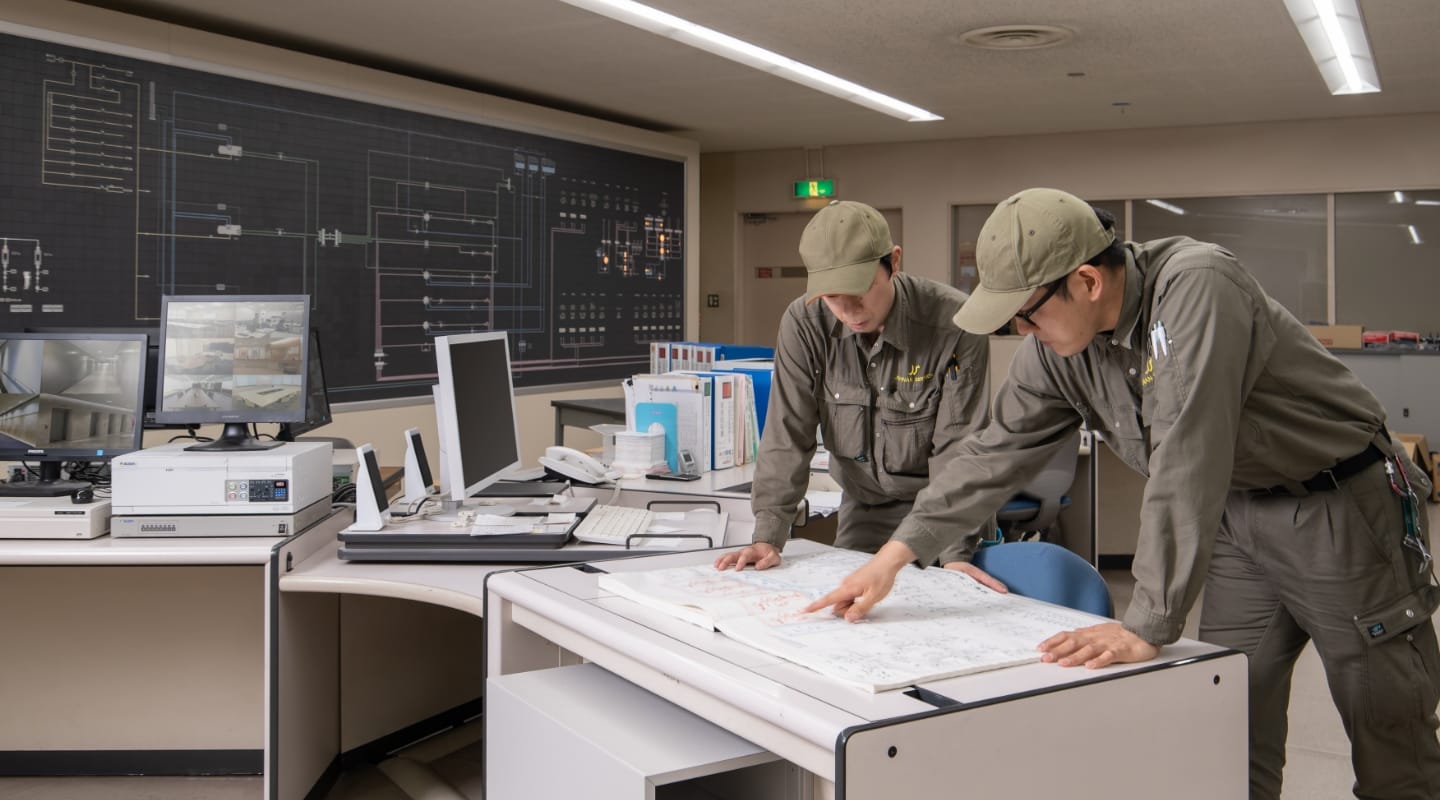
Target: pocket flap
[[1388, 621]]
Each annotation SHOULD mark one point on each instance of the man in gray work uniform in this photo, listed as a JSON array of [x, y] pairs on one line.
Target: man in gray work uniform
[[1272, 479], [879, 367]]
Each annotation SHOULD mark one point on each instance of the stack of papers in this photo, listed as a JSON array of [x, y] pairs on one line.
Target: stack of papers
[[935, 623]]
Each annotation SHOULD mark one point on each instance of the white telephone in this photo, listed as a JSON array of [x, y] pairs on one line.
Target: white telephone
[[576, 466]]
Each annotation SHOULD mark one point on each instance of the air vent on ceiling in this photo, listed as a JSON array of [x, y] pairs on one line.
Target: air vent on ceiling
[[1016, 37]]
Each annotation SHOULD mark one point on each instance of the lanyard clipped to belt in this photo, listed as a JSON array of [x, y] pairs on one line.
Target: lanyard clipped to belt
[[1409, 509]]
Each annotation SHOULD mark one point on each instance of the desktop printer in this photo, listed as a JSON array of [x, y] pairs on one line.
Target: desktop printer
[[167, 491]]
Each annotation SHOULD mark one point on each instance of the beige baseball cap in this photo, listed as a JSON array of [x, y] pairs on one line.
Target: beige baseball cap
[[841, 248], [1032, 238]]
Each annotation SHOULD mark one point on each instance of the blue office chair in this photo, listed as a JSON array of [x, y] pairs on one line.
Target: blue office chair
[[1047, 572], [1038, 505]]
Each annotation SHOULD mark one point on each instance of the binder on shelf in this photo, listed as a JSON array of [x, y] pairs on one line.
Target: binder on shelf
[[723, 408], [691, 397], [703, 356], [659, 357], [761, 373]]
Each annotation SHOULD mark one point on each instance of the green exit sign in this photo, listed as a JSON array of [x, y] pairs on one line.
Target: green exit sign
[[814, 188]]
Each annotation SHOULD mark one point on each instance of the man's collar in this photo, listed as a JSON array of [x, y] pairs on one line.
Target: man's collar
[[1129, 310]]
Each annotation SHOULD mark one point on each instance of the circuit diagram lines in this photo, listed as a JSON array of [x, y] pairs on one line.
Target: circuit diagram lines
[[88, 139], [124, 178]]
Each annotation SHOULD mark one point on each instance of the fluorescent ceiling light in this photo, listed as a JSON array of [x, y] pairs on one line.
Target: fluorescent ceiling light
[[1399, 197], [1414, 234], [1171, 207], [742, 52], [1334, 32], [1427, 202]]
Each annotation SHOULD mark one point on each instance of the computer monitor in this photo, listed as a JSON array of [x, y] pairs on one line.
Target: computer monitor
[[233, 361], [68, 397], [152, 359], [317, 397], [475, 412]]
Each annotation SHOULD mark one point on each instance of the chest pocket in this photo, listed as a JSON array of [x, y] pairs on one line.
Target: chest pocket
[[1161, 385], [1125, 436], [907, 429], [842, 425]]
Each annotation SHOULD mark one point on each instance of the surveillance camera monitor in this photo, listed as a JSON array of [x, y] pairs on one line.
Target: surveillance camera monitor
[[234, 361], [68, 397]]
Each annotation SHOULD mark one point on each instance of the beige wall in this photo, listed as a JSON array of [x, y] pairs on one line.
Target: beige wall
[[185, 47], [923, 180]]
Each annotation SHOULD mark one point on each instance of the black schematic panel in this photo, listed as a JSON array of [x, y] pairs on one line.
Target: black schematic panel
[[122, 180]]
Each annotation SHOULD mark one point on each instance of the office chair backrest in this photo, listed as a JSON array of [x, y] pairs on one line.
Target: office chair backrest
[[1047, 572], [1047, 489]]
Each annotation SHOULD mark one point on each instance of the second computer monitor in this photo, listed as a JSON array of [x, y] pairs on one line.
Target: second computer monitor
[[475, 412], [233, 360]]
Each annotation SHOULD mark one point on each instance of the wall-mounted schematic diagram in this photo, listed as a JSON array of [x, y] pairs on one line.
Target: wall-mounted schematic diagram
[[401, 226]]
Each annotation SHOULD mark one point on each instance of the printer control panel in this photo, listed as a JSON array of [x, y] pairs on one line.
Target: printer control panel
[[257, 491]]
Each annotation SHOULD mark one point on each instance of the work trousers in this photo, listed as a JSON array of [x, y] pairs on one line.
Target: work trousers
[[1287, 570], [865, 527]]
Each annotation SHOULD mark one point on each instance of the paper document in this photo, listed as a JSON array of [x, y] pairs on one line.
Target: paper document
[[494, 525], [935, 623], [823, 503]]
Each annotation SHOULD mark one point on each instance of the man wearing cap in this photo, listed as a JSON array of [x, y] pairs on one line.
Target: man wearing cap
[[1272, 480], [878, 366]]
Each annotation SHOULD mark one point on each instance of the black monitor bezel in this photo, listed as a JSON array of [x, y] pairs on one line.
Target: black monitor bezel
[[207, 416], [315, 368], [75, 453]]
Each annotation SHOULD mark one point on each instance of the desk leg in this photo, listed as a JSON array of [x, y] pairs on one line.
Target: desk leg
[[302, 682], [559, 428]]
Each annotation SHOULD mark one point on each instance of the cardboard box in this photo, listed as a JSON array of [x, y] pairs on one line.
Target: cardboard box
[[1419, 452], [1341, 337]]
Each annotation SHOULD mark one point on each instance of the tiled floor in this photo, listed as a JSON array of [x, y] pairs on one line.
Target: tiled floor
[[448, 768]]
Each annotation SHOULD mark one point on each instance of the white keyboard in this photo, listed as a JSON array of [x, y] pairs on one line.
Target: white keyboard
[[613, 524]]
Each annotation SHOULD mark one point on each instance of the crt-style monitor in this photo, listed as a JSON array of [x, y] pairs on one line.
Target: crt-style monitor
[[68, 397], [474, 412], [233, 360]]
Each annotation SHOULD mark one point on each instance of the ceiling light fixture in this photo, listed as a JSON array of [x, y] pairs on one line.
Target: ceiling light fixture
[[1334, 32], [1427, 202], [1171, 207], [1414, 235], [1399, 196], [742, 52]]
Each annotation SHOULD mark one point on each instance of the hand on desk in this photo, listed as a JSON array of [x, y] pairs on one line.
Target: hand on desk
[[985, 578], [865, 587], [760, 554], [1096, 646]]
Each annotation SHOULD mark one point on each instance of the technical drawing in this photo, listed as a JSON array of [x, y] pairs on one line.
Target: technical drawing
[[401, 226]]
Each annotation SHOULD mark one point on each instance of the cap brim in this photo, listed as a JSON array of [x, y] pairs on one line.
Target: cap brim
[[851, 279], [987, 311]]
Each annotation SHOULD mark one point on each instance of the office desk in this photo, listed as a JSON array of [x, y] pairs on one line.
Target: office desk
[[584, 412], [145, 655], [1178, 722]]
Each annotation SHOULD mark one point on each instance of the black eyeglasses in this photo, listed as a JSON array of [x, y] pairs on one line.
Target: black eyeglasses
[[1054, 287]]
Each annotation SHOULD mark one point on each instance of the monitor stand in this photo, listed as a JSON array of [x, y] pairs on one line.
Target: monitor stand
[[236, 438], [49, 484]]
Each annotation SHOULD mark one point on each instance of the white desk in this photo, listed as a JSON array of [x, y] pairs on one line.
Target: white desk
[[1178, 722], [145, 655]]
